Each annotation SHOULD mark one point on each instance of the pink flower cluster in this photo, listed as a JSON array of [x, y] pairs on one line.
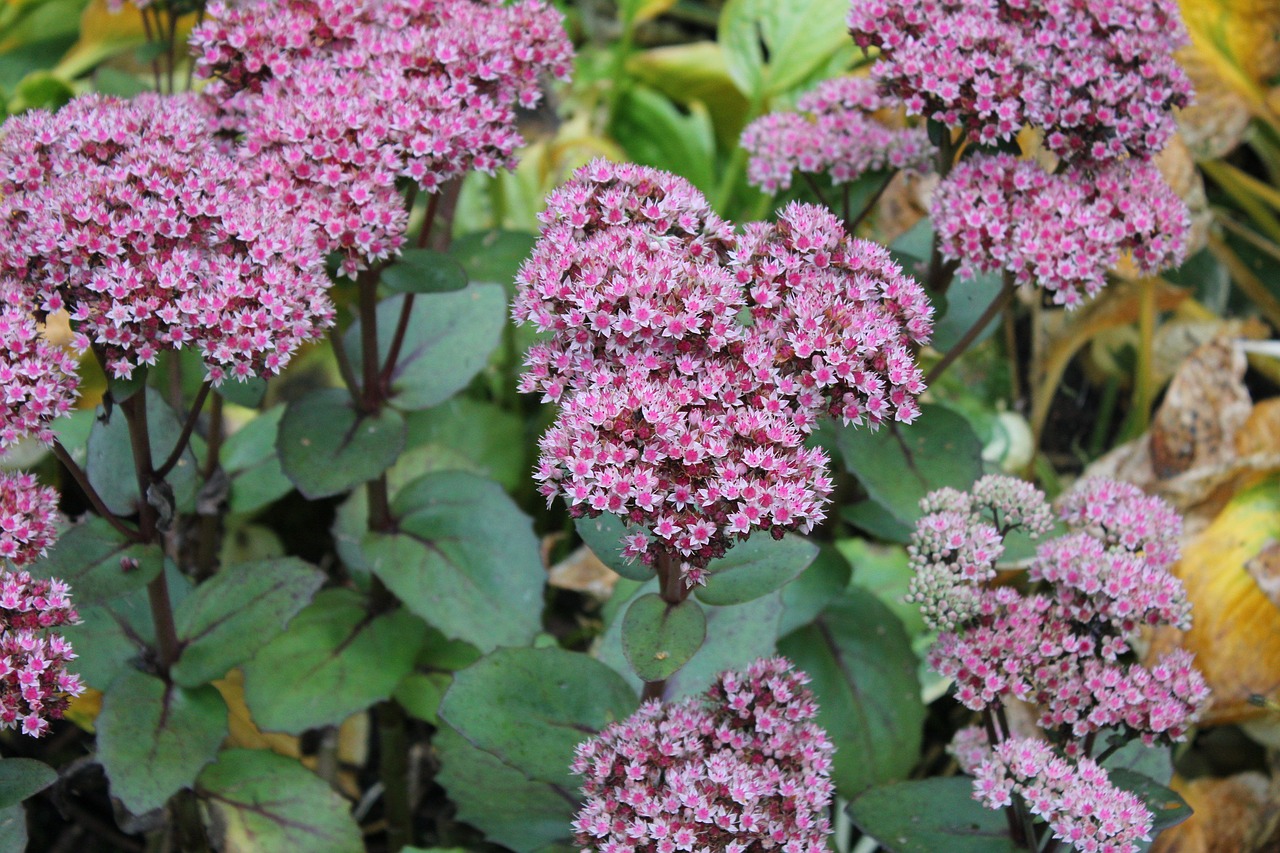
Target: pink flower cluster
[[38, 381], [28, 518], [1062, 230], [1076, 798], [743, 768], [1060, 650], [674, 414], [124, 214], [339, 100], [1098, 78], [34, 684], [840, 135]]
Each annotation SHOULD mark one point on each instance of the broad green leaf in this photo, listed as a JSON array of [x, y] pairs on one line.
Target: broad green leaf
[[333, 660], [603, 535], [449, 338], [111, 637], [1165, 804], [260, 802], [741, 37], [229, 617], [637, 11], [327, 447], [695, 73], [243, 392], [658, 638], [424, 271], [526, 815], [736, 636], [806, 596], [99, 562], [40, 90], [110, 461], [900, 464], [449, 566], [531, 707], [491, 438], [493, 257], [420, 695], [774, 47], [929, 816], [13, 829], [863, 673], [252, 463], [23, 777], [885, 571], [756, 567], [154, 738], [656, 133]]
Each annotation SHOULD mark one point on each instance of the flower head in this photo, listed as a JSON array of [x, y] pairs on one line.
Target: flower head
[[35, 686], [28, 518], [38, 380], [1062, 231], [127, 216], [1077, 799], [743, 767], [674, 414], [837, 132]]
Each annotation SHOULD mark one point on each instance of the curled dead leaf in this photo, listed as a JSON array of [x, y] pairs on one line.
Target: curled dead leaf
[[1231, 815], [1204, 407], [904, 203], [1235, 630], [582, 571]]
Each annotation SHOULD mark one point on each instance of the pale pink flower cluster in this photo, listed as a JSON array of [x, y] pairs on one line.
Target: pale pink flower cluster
[[1060, 650], [742, 768], [1097, 77], [38, 380], [1076, 798], [675, 415], [835, 132], [124, 214], [338, 100], [28, 518], [1062, 230]]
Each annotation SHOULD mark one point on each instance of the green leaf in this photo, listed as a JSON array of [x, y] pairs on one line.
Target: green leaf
[[13, 829], [110, 460], [863, 673], [964, 305], [424, 271], [740, 37], [229, 617], [931, 815], [250, 459], [327, 447], [40, 90], [654, 132], [736, 636], [333, 660], [493, 257], [1165, 804], [885, 571], [492, 439], [695, 73], [244, 392], [898, 465], [603, 535], [266, 803], [799, 37], [447, 565], [658, 638], [526, 815], [806, 596], [99, 562], [154, 738], [23, 777], [531, 707], [756, 567], [111, 637], [420, 695], [448, 341]]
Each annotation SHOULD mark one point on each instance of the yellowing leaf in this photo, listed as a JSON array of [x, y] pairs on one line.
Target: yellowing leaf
[[692, 72], [103, 34], [1235, 630], [243, 731], [83, 710], [1237, 40], [1227, 815]]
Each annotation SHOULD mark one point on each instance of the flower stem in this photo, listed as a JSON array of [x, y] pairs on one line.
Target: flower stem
[[851, 224], [673, 590], [1003, 298], [82, 480], [207, 542], [187, 427], [394, 768], [371, 398]]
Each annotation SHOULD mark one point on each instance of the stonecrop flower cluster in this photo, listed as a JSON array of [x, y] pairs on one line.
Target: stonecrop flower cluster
[[35, 686], [124, 214], [1062, 649], [836, 132], [38, 380], [674, 414], [339, 101], [1075, 798], [742, 768]]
